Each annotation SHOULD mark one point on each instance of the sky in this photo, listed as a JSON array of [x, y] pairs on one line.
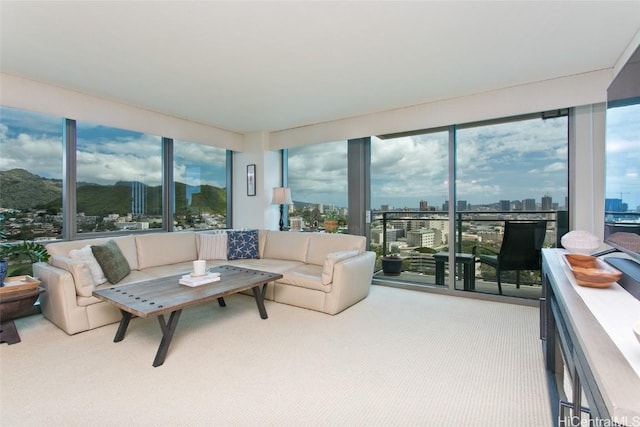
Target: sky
[[105, 155], [623, 155], [513, 160]]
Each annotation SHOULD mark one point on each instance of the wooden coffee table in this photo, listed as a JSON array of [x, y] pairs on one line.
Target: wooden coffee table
[[158, 297]]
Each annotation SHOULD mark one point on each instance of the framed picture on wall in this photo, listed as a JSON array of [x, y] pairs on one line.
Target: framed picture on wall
[[251, 180]]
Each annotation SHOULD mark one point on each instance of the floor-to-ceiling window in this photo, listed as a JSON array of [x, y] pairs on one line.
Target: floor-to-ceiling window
[[317, 176], [623, 164], [30, 174], [119, 179], [118, 176], [514, 170], [409, 193], [504, 170], [199, 175]]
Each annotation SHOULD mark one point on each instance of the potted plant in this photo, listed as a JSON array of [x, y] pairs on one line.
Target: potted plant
[[392, 265], [331, 222], [22, 255]]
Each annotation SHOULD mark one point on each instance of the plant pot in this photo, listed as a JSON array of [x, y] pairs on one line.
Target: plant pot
[[391, 266], [16, 303], [4, 266], [330, 225]]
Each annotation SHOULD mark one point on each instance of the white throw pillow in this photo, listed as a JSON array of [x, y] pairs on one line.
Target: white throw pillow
[[86, 255], [331, 260], [213, 246], [79, 270]]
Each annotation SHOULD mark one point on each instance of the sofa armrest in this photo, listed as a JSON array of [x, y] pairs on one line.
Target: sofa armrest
[[351, 282], [59, 302]]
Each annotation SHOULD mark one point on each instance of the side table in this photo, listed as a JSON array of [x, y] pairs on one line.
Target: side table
[[469, 268], [13, 304]]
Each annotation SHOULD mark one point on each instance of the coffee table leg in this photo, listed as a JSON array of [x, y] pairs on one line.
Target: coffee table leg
[[257, 293], [124, 324], [221, 302], [167, 334]]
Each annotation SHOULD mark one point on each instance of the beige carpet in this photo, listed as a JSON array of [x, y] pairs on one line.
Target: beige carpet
[[398, 358]]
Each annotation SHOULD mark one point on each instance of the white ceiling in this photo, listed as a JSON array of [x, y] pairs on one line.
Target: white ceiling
[[266, 66]]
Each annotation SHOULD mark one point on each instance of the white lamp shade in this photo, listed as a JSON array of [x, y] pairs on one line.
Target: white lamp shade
[[281, 196]]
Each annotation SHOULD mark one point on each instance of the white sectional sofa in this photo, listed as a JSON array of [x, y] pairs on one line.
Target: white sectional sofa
[[323, 272]]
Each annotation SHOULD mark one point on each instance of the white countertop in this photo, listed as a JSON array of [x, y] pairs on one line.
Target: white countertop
[[615, 309]]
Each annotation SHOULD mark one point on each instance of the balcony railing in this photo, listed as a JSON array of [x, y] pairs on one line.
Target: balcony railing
[[391, 232]]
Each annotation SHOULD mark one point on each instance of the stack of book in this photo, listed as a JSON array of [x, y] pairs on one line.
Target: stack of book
[[189, 280]]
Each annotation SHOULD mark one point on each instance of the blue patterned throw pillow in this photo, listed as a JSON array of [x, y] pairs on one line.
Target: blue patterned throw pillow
[[242, 244]]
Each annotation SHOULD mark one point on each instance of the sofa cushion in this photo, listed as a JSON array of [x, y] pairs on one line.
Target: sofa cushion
[[170, 269], [306, 276], [112, 261], [322, 244], [331, 260], [262, 239], [165, 248], [85, 255], [63, 248], [271, 265], [286, 245], [242, 244], [79, 270], [212, 246], [127, 245]]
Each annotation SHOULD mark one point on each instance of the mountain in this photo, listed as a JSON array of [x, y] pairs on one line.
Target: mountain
[[20, 189]]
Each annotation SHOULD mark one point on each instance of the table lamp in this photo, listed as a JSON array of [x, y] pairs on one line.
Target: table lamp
[[281, 196]]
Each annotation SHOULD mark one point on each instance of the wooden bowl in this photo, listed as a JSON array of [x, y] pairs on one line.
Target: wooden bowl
[[592, 272], [583, 261]]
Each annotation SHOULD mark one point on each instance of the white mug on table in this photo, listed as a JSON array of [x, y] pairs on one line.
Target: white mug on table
[[199, 268]]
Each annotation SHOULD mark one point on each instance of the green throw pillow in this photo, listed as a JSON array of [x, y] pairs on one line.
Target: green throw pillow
[[111, 260]]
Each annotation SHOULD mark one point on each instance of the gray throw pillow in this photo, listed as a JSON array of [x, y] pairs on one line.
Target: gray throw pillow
[[112, 261]]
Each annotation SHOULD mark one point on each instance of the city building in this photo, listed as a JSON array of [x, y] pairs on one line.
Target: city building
[[425, 238]]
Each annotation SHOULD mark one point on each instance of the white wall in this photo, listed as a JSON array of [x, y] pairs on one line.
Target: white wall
[[587, 168], [256, 211], [580, 89]]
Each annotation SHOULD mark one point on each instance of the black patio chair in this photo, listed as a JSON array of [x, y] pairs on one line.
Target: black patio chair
[[520, 250]]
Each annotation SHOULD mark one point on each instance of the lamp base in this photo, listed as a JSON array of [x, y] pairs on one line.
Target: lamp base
[[281, 218]]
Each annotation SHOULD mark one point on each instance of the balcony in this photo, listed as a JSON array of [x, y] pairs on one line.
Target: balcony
[[417, 236]]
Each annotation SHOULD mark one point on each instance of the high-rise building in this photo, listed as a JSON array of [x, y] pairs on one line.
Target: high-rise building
[[614, 205], [505, 205], [529, 204], [546, 203], [424, 205], [138, 198]]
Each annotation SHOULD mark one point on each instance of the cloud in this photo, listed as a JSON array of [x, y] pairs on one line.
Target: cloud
[[105, 155], [492, 163], [513, 160], [318, 173], [623, 155], [41, 154]]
